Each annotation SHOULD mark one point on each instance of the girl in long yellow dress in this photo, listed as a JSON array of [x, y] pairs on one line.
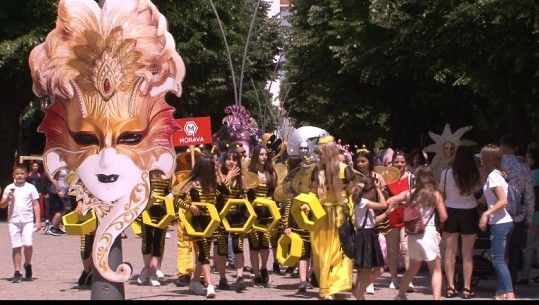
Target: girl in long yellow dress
[[331, 184]]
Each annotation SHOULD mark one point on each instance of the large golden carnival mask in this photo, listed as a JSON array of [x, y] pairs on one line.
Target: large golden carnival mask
[[107, 71]]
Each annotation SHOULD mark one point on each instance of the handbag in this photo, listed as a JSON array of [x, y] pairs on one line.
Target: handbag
[[440, 226], [347, 236], [413, 220]]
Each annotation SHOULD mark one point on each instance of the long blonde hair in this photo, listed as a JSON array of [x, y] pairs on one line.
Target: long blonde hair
[[329, 172], [425, 189]]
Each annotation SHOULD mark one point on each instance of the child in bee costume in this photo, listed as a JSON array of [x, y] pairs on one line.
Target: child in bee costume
[[259, 242], [232, 187], [290, 225], [200, 186], [153, 238]]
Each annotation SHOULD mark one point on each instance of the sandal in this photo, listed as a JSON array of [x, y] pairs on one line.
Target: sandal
[[467, 293], [450, 292]]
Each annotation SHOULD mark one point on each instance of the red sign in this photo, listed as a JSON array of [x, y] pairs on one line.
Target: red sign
[[193, 131]]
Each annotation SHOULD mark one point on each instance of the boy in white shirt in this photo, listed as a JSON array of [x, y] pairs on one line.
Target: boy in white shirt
[[22, 200]]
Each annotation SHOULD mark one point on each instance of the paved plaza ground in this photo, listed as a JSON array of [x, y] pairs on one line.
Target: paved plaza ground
[[57, 266]]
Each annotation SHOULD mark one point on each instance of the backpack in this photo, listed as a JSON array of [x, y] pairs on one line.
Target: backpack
[[413, 220], [515, 201]]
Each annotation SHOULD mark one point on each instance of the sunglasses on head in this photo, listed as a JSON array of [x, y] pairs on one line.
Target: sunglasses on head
[[399, 153]]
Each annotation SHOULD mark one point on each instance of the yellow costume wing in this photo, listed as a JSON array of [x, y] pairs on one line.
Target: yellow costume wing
[[300, 179], [281, 171], [390, 173], [358, 176], [251, 180]]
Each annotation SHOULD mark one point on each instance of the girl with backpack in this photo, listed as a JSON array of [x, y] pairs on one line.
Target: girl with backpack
[[497, 217], [426, 245]]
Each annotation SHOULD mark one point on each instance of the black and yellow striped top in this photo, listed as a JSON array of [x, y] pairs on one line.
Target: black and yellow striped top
[[261, 191], [227, 192], [196, 195], [159, 187], [288, 220]]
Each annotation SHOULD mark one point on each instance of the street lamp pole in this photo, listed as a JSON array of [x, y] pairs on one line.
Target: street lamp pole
[[245, 50], [237, 102]]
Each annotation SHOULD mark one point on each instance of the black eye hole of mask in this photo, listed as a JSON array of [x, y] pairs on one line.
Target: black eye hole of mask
[[130, 138], [85, 139]]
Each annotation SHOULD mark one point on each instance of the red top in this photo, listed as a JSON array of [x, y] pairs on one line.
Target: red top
[[396, 218]]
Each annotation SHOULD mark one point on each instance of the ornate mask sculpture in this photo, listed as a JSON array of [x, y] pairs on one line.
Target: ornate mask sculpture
[[107, 71]]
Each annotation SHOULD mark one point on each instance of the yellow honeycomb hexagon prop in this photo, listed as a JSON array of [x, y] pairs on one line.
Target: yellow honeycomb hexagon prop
[[166, 219], [226, 209], [213, 222], [273, 209], [289, 249], [78, 224], [135, 226], [312, 220]]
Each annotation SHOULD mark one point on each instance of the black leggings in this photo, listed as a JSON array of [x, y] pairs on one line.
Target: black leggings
[[153, 240], [222, 243], [86, 244]]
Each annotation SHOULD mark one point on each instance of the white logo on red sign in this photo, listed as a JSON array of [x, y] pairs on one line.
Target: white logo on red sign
[[190, 128]]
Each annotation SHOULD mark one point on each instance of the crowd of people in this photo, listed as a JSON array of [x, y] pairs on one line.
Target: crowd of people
[[468, 198]]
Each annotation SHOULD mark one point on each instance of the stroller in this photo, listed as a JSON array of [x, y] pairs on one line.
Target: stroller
[[482, 264]]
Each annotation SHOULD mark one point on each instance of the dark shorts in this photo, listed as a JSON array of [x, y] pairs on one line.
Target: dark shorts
[[463, 221], [57, 204]]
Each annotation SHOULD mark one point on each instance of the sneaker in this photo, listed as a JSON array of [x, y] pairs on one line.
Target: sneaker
[[302, 287], [329, 297], [85, 279], [28, 272], [240, 284], [210, 292], [231, 267], [17, 276], [223, 284], [154, 281], [53, 231], [61, 231], [183, 281], [411, 287], [160, 274], [196, 288], [143, 276], [265, 275], [399, 298], [369, 289], [214, 270], [276, 268], [257, 282], [289, 270], [394, 284], [309, 285]]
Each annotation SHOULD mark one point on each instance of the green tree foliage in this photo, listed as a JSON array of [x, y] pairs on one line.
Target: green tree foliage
[[395, 69], [208, 86], [24, 25]]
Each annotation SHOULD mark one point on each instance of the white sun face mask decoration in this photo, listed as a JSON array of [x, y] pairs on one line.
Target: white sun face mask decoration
[[445, 145], [107, 71]]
